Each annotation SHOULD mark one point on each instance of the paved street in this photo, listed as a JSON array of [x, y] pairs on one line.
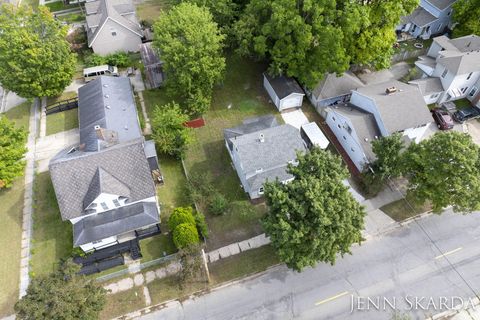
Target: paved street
[[406, 263]]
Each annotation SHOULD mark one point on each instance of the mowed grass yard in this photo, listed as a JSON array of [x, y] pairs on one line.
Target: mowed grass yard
[[11, 210], [52, 237], [62, 121], [149, 10], [240, 96], [405, 208]]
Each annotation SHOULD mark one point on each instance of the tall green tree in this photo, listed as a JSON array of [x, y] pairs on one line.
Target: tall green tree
[[314, 217], [12, 149], [388, 152], [190, 44], [169, 131], [62, 295], [445, 170], [308, 38], [466, 15], [35, 57]]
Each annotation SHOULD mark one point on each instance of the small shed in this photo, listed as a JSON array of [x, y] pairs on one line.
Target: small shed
[[312, 134], [285, 92], [153, 66]]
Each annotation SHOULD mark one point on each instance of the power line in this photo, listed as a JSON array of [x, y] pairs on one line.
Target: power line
[[431, 240]]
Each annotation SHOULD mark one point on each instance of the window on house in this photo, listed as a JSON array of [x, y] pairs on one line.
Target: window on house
[[440, 27], [339, 127], [344, 138], [464, 90], [104, 206], [427, 29], [472, 92], [353, 150], [449, 13], [259, 170], [260, 191], [469, 75], [114, 33], [333, 118], [444, 73], [116, 203]]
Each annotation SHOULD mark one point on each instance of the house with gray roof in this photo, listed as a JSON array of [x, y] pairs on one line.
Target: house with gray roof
[[334, 89], [104, 185], [285, 92], [375, 111], [261, 150], [112, 26], [430, 18], [451, 70]]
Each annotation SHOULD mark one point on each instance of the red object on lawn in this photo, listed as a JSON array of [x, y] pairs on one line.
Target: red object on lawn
[[195, 123]]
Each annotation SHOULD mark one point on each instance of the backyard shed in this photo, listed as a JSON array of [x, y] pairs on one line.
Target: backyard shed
[[285, 92], [153, 66], [314, 136]]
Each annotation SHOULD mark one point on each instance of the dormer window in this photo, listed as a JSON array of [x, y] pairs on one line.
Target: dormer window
[[104, 206], [469, 75], [116, 203], [261, 190], [444, 73]]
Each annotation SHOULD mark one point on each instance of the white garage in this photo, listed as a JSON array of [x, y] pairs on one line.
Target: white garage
[[285, 92]]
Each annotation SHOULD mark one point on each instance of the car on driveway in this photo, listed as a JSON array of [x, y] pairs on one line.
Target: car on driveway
[[443, 119], [465, 114]]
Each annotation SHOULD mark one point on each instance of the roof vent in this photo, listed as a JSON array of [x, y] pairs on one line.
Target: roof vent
[[124, 108], [106, 96], [390, 90], [126, 127], [105, 85], [376, 137], [366, 139], [97, 127], [262, 137], [107, 106]]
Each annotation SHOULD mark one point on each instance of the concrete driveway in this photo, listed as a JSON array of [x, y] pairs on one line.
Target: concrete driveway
[[295, 118], [396, 72], [473, 128]]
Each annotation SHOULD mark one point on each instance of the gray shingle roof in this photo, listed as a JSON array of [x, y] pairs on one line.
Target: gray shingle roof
[[333, 86], [279, 146], [428, 85], [73, 173], [401, 110], [442, 4], [251, 125], [104, 182], [114, 222], [284, 86], [119, 11], [460, 63], [364, 125], [421, 17], [461, 44], [107, 102]]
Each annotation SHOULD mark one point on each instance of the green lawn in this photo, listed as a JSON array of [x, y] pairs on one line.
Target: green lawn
[[149, 10], [72, 17], [157, 246], [123, 302], [463, 103], [52, 237], [243, 264], [59, 5], [168, 288], [62, 121], [11, 210], [401, 209]]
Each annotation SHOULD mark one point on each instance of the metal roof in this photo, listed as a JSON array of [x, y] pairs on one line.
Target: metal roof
[[315, 135]]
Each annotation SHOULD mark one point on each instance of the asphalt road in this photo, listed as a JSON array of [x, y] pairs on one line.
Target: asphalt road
[[394, 269]]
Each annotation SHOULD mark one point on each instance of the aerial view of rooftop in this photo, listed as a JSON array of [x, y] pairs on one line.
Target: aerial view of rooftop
[[240, 159]]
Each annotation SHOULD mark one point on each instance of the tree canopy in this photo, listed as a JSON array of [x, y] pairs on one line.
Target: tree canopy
[[466, 15], [62, 295], [169, 131], [308, 38], [35, 57], [445, 170], [314, 217], [12, 149], [387, 150], [190, 44]]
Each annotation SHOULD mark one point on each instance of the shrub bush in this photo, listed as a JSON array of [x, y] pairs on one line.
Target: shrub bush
[[93, 60], [185, 235], [218, 204], [201, 224], [119, 59], [179, 216]]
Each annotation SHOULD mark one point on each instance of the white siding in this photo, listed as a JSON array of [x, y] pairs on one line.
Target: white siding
[[293, 100], [349, 141], [368, 105], [125, 40], [271, 92], [99, 244]]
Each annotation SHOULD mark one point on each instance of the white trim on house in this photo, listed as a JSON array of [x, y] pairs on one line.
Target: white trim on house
[[104, 23]]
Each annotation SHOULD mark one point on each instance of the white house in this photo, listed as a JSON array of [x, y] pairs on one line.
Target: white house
[[261, 150], [333, 89], [431, 18], [104, 185], [376, 111], [451, 69], [285, 92], [112, 26]]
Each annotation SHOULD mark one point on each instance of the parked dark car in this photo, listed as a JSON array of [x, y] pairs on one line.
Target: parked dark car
[[442, 118], [465, 114]]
